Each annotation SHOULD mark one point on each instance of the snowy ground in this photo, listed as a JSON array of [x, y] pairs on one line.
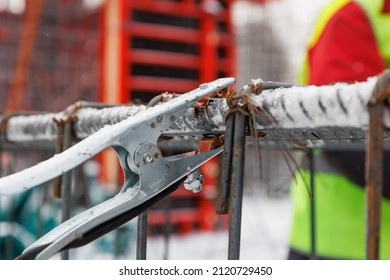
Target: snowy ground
[[265, 227]]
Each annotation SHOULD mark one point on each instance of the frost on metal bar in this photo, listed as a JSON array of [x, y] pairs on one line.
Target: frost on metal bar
[[310, 116], [90, 120], [87, 121], [319, 116], [315, 116], [338, 105], [31, 128]]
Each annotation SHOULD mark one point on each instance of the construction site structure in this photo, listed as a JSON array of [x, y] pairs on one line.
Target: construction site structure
[[172, 46]]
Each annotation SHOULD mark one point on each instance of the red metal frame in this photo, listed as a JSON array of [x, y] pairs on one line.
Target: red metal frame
[[122, 95], [207, 63], [158, 84]]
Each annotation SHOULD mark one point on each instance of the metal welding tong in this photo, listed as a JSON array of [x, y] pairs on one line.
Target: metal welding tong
[[148, 175]]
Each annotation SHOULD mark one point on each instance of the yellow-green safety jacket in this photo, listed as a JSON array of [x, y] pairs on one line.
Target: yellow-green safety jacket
[[339, 203]]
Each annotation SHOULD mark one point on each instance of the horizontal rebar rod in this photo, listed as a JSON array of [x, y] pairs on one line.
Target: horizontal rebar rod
[[311, 116]]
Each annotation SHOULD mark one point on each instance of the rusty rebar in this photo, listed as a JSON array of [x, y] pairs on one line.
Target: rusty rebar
[[374, 164], [66, 187], [142, 235], [236, 187], [225, 181], [59, 148]]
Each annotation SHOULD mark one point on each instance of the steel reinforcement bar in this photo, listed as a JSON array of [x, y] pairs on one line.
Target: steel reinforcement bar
[[310, 116]]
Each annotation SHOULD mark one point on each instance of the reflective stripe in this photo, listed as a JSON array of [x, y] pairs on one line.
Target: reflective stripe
[[323, 19], [303, 74]]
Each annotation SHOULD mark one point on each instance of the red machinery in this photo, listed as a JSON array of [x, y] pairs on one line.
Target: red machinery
[[164, 45], [153, 46]]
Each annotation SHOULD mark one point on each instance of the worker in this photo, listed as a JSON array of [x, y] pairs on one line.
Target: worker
[[351, 42]]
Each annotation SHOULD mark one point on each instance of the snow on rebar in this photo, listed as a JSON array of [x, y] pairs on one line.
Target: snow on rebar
[[338, 105], [299, 107], [90, 120], [31, 128]]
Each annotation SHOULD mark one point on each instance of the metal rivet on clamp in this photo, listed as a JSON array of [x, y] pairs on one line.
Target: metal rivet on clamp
[[148, 158]]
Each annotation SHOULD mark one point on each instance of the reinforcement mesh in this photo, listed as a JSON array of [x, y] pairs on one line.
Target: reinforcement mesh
[[61, 67]]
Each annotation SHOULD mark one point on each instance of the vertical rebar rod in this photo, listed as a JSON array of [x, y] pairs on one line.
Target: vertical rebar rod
[[1, 155], [374, 184], [9, 242], [313, 255], [66, 182], [1, 174], [374, 164], [225, 181], [142, 235], [236, 188], [168, 226], [59, 148], [6, 248]]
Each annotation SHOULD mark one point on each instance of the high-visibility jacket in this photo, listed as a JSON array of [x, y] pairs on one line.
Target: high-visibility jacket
[[335, 54], [355, 30]]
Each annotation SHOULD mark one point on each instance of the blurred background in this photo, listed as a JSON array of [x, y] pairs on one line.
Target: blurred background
[[54, 53]]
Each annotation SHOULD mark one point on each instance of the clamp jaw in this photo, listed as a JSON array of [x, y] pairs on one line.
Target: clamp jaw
[[148, 175]]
